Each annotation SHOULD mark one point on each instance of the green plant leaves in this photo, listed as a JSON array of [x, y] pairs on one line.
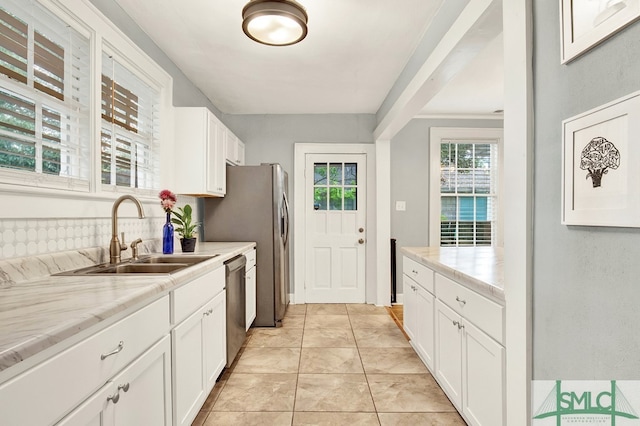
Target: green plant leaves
[[185, 225]]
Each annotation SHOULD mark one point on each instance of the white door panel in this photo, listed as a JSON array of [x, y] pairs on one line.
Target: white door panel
[[336, 229]]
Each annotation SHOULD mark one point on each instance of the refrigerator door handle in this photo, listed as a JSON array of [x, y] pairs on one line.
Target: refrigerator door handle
[[285, 219]]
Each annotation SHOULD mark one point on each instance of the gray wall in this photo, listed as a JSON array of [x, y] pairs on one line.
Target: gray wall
[[410, 181], [586, 293]]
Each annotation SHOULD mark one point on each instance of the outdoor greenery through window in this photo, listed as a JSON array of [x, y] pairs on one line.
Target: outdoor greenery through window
[[129, 143], [44, 93], [468, 193], [335, 186]]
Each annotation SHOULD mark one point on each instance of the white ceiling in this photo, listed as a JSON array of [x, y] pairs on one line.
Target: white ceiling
[[354, 52]]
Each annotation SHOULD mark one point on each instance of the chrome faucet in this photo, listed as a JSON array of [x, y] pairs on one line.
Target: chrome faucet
[[115, 247]]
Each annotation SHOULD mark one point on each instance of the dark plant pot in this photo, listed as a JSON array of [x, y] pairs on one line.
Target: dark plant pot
[[188, 245]]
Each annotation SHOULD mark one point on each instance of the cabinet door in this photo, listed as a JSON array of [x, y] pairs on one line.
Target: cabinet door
[[216, 157], [250, 279], [240, 151], [189, 391], [220, 162], [424, 325], [483, 372], [214, 339], [448, 352], [409, 308], [145, 383], [139, 395], [97, 410]]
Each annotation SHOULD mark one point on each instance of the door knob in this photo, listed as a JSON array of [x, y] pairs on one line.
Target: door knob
[[361, 241]]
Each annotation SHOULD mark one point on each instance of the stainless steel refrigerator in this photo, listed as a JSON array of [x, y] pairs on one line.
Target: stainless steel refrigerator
[[255, 208]]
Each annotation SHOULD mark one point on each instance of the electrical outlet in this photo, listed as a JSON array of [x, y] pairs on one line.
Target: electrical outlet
[[401, 206]]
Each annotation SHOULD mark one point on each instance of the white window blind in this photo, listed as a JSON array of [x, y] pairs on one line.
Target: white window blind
[[468, 193], [44, 98], [129, 147]]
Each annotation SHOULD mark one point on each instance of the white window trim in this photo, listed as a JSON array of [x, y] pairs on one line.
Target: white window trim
[[104, 35], [436, 136]]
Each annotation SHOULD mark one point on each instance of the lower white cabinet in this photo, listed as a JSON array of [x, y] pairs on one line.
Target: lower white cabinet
[[250, 285], [418, 319], [199, 355], [139, 395], [469, 368]]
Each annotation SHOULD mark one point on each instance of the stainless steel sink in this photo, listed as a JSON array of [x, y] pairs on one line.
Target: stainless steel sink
[[151, 264], [168, 258]]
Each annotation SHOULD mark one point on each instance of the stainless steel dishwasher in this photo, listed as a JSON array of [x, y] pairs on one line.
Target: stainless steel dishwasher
[[236, 305]]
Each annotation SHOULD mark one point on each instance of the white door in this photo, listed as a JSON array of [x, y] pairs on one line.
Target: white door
[[335, 190]]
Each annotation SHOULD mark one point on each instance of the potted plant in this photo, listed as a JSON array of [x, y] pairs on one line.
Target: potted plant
[[185, 227]]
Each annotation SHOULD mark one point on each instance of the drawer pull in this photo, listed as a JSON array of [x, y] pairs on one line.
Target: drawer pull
[[414, 271], [459, 324], [464, 302], [124, 387], [113, 352], [209, 311], [114, 398]]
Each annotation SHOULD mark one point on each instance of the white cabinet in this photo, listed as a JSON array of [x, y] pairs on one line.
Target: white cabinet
[[200, 153], [419, 309], [469, 367], [61, 383], [199, 344], [459, 335], [250, 285], [235, 149], [139, 395]]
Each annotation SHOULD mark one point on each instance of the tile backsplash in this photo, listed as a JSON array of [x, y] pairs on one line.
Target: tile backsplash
[[28, 237]]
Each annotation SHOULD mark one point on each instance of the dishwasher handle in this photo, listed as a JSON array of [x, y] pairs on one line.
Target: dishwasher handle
[[235, 263]]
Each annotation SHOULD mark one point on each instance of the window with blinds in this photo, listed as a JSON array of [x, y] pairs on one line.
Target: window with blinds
[[44, 97], [130, 128], [468, 193]]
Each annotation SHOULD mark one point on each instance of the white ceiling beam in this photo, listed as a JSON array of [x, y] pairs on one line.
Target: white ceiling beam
[[478, 24]]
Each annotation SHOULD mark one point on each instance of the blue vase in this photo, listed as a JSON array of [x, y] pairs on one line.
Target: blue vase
[[167, 236]]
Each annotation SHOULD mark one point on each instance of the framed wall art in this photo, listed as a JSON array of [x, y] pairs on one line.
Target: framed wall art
[[585, 23], [601, 165]]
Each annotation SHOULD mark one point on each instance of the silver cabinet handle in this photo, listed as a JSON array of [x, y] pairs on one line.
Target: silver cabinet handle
[[456, 323], [124, 387], [459, 324], [114, 398], [209, 311], [113, 352], [464, 302], [414, 271]]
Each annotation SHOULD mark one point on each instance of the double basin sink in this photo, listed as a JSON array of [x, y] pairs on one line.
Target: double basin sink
[[150, 264]]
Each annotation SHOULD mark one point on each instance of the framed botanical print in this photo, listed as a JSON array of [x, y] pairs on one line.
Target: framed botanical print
[[585, 23], [601, 165]]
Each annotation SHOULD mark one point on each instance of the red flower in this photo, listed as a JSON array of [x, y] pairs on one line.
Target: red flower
[[167, 200]]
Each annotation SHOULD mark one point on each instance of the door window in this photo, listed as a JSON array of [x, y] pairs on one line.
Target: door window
[[335, 186]]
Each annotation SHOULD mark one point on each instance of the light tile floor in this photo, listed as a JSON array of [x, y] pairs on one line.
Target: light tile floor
[[329, 364]]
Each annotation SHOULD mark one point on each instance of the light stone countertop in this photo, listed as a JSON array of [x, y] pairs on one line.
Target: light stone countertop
[[37, 311], [478, 268]]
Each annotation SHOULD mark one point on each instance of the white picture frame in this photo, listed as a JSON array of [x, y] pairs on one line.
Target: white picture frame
[[586, 23], [597, 188]]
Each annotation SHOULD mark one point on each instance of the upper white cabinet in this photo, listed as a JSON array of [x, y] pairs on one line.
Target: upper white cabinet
[[200, 153], [235, 149]]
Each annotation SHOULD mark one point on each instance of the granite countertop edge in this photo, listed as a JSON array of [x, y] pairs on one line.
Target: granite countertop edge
[[479, 269], [36, 314]]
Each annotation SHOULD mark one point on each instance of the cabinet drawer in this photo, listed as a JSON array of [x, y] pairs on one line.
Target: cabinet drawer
[[251, 259], [193, 295], [486, 314], [418, 272], [44, 393]]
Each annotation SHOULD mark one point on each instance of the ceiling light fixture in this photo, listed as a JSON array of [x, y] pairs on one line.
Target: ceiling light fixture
[[275, 22]]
